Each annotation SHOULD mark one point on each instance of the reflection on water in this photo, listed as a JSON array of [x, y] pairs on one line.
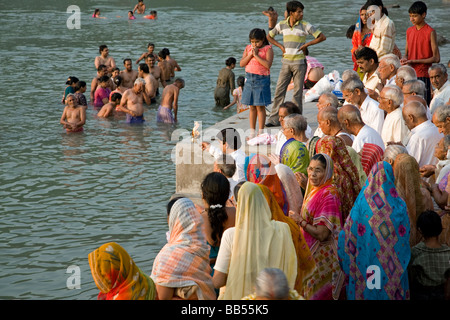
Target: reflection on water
[[63, 195]]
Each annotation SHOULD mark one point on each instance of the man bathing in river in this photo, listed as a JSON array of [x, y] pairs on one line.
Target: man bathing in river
[[132, 102], [168, 109]]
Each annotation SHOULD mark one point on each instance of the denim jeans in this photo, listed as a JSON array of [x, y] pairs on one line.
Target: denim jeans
[[287, 72]]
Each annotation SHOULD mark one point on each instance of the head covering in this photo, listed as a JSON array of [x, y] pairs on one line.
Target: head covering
[[321, 206], [345, 173], [370, 154], [117, 276], [407, 183], [377, 234], [312, 146], [294, 154], [356, 159], [259, 242], [305, 260], [259, 169], [184, 260], [291, 186]]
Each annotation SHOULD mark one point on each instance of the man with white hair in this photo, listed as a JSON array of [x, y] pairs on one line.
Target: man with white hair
[[326, 99], [354, 93], [424, 134], [405, 73], [394, 126], [387, 68], [439, 80], [132, 102]]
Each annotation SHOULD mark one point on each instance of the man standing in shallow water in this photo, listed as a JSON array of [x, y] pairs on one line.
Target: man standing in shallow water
[[168, 109], [132, 102], [128, 75]]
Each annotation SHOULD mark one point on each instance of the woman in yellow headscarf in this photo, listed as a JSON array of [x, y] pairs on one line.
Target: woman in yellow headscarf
[[117, 276], [255, 243]]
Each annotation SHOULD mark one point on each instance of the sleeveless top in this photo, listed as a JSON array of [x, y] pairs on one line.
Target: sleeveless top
[[419, 47], [253, 66]]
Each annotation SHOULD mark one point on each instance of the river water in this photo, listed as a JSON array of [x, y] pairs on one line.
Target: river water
[[62, 195]]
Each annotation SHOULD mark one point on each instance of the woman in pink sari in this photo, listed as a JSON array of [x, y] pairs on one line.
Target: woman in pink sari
[[320, 220]]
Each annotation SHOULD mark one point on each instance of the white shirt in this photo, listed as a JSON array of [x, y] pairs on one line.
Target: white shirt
[[371, 114], [440, 96], [394, 128], [239, 158], [391, 81], [281, 139], [367, 135], [422, 142], [226, 247], [371, 82]]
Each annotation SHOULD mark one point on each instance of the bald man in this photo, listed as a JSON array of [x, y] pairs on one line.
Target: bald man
[[330, 126], [350, 119], [424, 134]]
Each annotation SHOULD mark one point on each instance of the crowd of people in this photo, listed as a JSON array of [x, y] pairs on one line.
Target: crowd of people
[[357, 210]]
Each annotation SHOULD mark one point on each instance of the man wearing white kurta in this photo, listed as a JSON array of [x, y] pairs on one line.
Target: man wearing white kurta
[[424, 134], [394, 126], [439, 80]]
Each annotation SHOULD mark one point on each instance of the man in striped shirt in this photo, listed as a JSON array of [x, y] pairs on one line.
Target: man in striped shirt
[[294, 31]]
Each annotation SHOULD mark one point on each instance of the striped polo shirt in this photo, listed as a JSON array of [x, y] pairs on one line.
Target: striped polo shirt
[[294, 38]]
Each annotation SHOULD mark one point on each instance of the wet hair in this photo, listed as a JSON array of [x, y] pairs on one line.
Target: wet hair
[[258, 34], [240, 81], [102, 47], [117, 80], [79, 85], [292, 6], [230, 136], [71, 80], [116, 96], [162, 54], [96, 11], [230, 61], [215, 191], [150, 44], [429, 223], [418, 7], [166, 51], [144, 67], [319, 157], [237, 187], [131, 12], [290, 107], [366, 53], [126, 59], [103, 79], [179, 80], [153, 12], [101, 67], [115, 69], [171, 203], [350, 31]]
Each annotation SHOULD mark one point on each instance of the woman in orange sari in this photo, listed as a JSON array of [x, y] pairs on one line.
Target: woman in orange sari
[[305, 260], [117, 276], [361, 37]]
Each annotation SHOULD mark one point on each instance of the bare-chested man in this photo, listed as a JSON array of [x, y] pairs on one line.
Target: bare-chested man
[[155, 70], [151, 84], [105, 59], [101, 71], [173, 63], [168, 109], [132, 102], [74, 116], [128, 75], [164, 66]]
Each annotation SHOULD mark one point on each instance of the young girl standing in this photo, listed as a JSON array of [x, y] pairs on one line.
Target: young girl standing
[[257, 60]]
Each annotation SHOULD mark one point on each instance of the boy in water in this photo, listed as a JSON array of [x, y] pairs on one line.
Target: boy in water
[[168, 109], [145, 55], [74, 116], [108, 109]]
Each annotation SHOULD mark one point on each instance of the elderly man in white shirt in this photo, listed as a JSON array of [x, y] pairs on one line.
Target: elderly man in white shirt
[[372, 115], [439, 80], [394, 126], [387, 68], [325, 100], [424, 134], [405, 73], [350, 119]]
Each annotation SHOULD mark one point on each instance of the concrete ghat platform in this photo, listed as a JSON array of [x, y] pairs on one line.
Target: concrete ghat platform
[[193, 164]]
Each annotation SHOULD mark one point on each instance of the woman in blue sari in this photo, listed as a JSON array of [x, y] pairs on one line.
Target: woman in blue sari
[[373, 246]]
